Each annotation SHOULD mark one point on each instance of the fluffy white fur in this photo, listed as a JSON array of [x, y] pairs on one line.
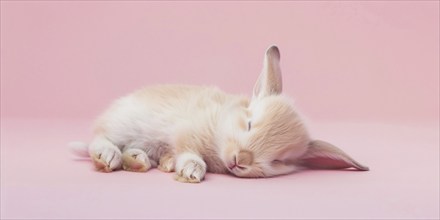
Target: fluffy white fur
[[194, 130]]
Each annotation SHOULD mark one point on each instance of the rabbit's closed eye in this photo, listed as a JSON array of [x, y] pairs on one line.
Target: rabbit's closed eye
[[276, 162]]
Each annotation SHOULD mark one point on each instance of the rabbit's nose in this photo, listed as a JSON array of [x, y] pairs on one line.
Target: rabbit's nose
[[245, 157], [233, 163]]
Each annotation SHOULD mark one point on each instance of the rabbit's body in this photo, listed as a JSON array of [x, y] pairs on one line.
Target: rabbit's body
[[152, 119], [192, 130]]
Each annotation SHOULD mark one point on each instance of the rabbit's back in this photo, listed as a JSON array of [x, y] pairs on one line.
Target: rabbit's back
[[181, 97]]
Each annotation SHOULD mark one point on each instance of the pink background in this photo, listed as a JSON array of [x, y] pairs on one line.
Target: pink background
[[366, 74]]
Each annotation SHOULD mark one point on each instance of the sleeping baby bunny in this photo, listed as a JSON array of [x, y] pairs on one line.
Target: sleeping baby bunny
[[192, 130]]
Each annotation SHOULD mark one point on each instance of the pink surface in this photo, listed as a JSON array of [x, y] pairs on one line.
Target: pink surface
[[41, 180], [365, 73]]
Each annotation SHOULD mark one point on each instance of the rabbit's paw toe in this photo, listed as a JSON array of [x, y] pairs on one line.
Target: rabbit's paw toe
[[190, 168], [107, 159], [166, 165], [135, 160]]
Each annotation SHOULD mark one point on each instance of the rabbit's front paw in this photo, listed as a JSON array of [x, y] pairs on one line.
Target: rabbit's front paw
[[107, 159], [135, 160], [166, 163], [190, 168]]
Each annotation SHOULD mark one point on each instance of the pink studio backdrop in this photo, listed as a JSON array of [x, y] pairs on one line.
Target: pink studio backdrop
[[341, 60], [365, 73]]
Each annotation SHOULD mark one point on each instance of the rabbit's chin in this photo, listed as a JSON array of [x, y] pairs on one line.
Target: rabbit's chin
[[247, 172]]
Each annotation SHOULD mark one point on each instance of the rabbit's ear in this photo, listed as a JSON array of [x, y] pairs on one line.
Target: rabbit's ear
[[269, 82], [323, 155]]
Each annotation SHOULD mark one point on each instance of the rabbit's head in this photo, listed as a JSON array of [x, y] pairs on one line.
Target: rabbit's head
[[267, 137]]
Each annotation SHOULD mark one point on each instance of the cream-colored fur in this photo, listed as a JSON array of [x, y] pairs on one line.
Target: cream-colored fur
[[194, 130]]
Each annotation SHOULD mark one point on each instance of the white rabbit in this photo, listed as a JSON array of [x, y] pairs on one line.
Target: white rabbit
[[192, 130]]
